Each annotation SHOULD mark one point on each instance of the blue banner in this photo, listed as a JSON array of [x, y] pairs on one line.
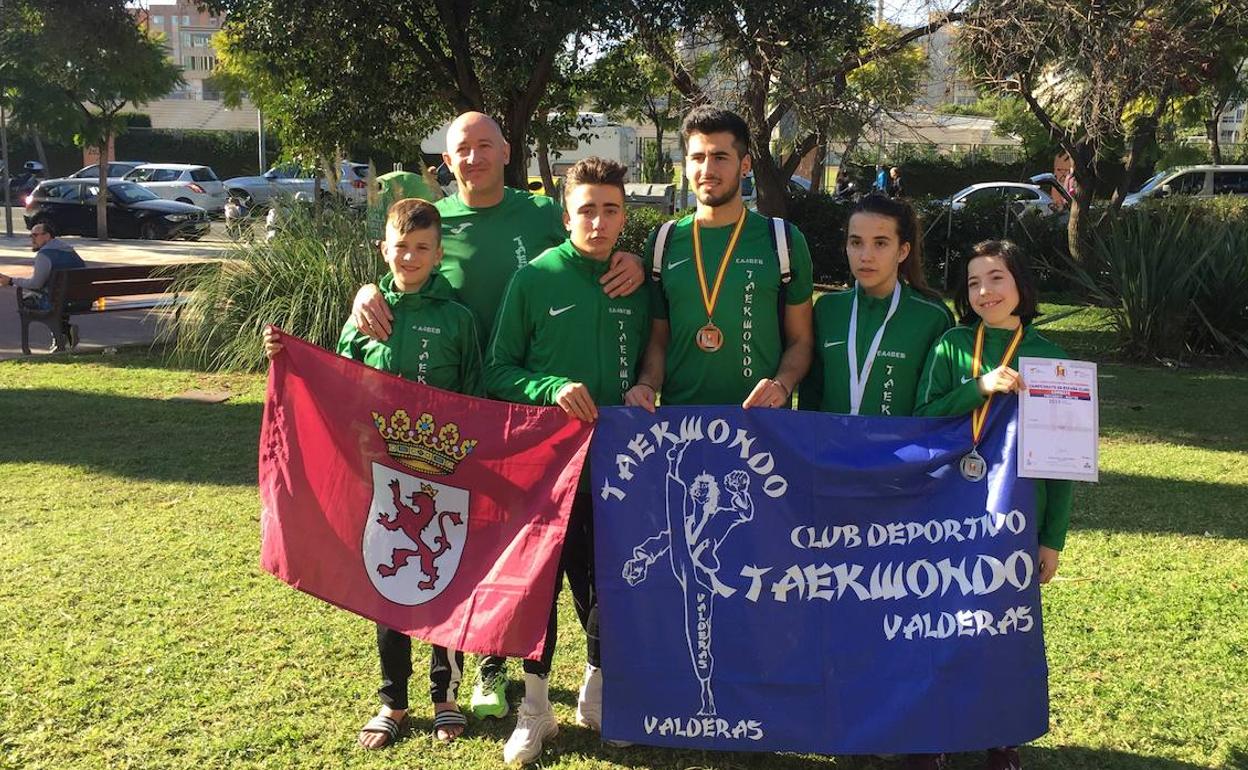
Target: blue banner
[[775, 580]]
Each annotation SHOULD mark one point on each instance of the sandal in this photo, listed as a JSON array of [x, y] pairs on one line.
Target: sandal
[[385, 726], [447, 719]]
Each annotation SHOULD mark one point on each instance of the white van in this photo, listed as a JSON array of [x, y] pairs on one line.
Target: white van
[[1199, 181]]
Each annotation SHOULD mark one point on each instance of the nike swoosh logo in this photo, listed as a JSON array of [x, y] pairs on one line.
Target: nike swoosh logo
[[457, 229], [678, 262], [554, 312], [833, 344], [966, 379]]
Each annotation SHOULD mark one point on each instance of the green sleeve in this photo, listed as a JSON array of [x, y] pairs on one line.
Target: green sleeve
[[1058, 499], [351, 342], [470, 360], [810, 391], [802, 286], [941, 391], [505, 376]]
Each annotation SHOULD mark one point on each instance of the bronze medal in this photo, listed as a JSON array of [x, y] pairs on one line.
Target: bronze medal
[[710, 338]]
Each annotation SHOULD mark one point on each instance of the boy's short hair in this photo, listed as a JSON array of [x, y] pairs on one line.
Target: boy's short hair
[[413, 214], [595, 170], [713, 120]]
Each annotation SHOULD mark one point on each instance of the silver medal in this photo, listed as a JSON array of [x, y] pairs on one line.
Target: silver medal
[[974, 467]]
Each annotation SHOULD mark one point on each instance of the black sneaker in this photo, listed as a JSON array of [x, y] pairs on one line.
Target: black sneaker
[[1005, 758]]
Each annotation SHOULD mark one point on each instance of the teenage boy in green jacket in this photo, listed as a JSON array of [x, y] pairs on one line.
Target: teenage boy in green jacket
[[434, 341], [559, 340]]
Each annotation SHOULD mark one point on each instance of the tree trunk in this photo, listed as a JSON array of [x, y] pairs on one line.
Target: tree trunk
[[516, 131], [817, 172], [660, 155], [1078, 228], [543, 167], [769, 183], [1211, 131], [101, 199], [683, 195], [42, 154], [1143, 139]]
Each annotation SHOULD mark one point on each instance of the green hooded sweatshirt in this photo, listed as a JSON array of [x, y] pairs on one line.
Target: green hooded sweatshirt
[[434, 338]]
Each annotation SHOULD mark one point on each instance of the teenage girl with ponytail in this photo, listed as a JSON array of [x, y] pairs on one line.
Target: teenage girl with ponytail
[[871, 341]]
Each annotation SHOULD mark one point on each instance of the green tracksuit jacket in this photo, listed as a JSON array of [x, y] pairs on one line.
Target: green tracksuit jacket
[[434, 338], [894, 379], [556, 325], [949, 388]]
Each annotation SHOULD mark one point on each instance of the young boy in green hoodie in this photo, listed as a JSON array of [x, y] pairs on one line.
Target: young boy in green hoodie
[[434, 341], [559, 340]]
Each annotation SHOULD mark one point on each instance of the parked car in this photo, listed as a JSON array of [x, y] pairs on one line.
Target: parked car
[[1198, 181], [116, 169], [22, 183], [183, 182], [1056, 191], [291, 179], [133, 211], [1026, 197]]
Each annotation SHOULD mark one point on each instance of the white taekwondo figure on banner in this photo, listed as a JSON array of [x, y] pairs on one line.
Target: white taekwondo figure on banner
[[696, 526]]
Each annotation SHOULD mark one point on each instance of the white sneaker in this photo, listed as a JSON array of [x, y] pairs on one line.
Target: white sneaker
[[589, 702], [533, 725]]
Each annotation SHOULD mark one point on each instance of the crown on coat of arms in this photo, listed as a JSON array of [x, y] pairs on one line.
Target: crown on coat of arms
[[424, 446]]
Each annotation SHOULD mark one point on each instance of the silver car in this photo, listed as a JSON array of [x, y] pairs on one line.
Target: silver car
[[296, 181], [188, 183], [1026, 197], [116, 169], [1197, 181]]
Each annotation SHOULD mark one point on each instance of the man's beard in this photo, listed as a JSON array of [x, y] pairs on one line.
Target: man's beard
[[726, 197]]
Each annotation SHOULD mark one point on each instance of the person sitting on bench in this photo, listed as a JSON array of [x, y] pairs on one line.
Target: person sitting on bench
[[51, 253]]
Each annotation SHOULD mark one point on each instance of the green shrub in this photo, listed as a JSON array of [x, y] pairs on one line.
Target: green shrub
[[822, 219], [1175, 275], [641, 220], [302, 281]]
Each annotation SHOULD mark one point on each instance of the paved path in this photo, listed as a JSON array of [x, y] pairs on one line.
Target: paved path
[[100, 330]]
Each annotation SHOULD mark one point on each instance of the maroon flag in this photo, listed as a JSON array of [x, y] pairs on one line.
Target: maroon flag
[[436, 514]]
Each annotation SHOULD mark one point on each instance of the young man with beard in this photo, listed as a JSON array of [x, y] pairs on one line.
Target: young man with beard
[[732, 295]]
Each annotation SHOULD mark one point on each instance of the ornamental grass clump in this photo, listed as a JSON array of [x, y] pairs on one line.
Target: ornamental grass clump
[[1174, 275], [302, 280]]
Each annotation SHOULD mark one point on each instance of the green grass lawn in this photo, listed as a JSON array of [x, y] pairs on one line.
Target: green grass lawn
[[138, 631]]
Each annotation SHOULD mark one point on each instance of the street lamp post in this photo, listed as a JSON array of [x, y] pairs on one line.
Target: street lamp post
[[4, 157], [260, 138]]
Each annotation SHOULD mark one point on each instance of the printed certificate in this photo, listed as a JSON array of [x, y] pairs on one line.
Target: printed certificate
[[1058, 419]]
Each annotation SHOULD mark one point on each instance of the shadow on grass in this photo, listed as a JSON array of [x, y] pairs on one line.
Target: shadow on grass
[[581, 742], [1079, 758], [138, 438], [1199, 408], [137, 356], [1124, 502]]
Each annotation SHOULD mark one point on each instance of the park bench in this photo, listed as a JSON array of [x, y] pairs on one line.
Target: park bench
[[86, 290]]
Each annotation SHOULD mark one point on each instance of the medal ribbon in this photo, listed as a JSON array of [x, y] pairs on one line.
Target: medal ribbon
[[858, 381], [711, 297], [980, 416]]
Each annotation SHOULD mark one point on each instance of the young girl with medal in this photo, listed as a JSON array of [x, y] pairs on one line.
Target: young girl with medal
[[871, 341], [975, 362]]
